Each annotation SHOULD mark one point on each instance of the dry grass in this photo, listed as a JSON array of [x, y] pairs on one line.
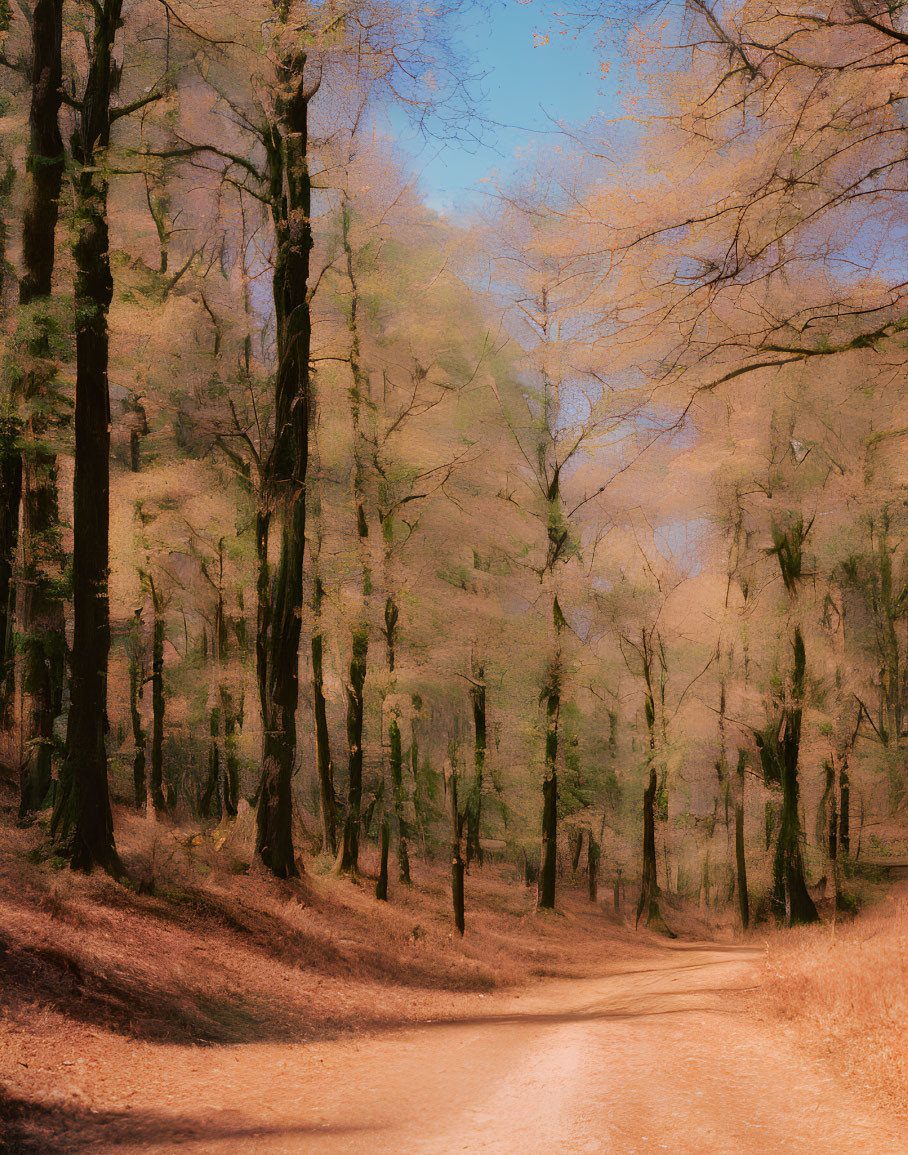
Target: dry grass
[[846, 990], [210, 950]]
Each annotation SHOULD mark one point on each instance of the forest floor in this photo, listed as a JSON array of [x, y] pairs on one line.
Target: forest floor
[[223, 1012]]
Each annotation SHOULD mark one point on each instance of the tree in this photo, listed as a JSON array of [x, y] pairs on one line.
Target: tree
[[82, 817], [40, 624], [780, 743], [544, 284]]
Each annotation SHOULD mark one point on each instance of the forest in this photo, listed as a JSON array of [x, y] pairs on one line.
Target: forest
[[557, 539]]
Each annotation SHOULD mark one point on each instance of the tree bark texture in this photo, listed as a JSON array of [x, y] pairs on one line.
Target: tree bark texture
[[41, 623], [349, 856], [791, 899], [280, 619], [82, 816]]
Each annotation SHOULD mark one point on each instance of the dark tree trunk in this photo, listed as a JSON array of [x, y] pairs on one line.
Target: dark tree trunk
[[139, 738], [135, 458], [648, 906], [704, 881], [397, 786], [159, 800], [474, 802], [791, 898], [844, 808], [592, 866], [740, 860], [322, 739], [42, 625], [530, 871], [280, 618], [45, 160], [392, 614], [82, 816], [381, 886], [457, 862], [10, 472], [233, 718], [348, 859], [832, 814], [648, 903], [548, 858], [10, 500], [209, 794], [349, 854]]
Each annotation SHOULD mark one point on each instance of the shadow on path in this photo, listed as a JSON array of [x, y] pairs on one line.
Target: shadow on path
[[27, 1128]]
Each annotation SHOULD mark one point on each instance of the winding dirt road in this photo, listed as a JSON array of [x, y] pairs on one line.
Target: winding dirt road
[[663, 1055]]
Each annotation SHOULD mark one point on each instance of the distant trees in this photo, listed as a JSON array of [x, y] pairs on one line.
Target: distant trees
[[451, 479], [545, 283]]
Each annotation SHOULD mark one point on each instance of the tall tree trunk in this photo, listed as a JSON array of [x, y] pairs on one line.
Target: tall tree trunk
[[359, 651], [139, 737], [457, 861], [10, 501], [45, 160], [474, 802], [648, 907], [740, 860], [349, 852], [41, 620], [322, 738], [42, 627], [396, 759], [548, 861], [548, 858], [648, 904], [82, 816], [395, 745], [42, 633], [285, 476], [159, 800], [791, 898]]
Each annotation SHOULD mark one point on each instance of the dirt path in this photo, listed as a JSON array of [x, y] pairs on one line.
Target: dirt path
[[661, 1056]]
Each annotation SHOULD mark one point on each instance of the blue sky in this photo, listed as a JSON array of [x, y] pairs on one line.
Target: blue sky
[[527, 85]]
